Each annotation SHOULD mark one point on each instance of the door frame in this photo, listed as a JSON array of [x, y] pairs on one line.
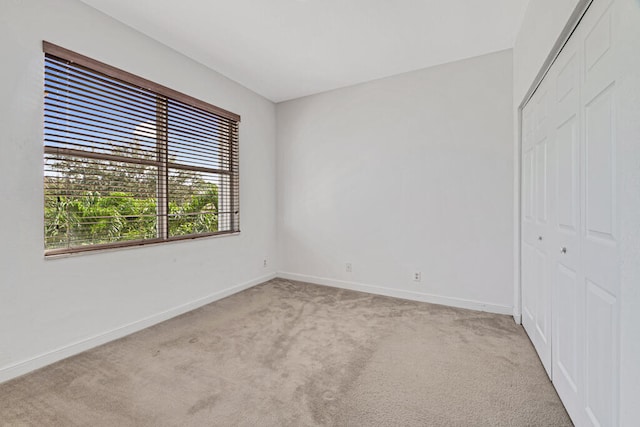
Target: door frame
[[572, 23]]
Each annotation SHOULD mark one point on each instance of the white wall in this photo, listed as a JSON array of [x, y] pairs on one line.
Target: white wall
[[408, 173], [48, 305], [542, 24]]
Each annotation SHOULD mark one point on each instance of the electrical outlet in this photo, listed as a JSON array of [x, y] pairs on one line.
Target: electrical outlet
[[348, 267], [417, 276], [264, 263]]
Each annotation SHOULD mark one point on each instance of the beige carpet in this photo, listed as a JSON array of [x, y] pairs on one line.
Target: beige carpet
[[292, 354]]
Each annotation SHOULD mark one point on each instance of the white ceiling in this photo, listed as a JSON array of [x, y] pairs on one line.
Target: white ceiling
[[285, 49]]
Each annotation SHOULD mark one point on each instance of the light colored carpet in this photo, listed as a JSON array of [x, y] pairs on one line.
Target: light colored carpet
[[292, 354]]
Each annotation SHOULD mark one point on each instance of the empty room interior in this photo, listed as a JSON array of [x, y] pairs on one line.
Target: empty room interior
[[320, 213]]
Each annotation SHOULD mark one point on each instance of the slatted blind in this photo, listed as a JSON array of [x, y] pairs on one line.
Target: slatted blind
[[129, 162]]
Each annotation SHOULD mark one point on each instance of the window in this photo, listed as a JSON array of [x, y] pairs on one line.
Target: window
[[130, 162]]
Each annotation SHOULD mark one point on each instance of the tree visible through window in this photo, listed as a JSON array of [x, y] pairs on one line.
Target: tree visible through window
[[129, 162]]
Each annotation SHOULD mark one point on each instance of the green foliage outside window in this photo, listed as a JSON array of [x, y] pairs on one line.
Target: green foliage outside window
[[85, 204]]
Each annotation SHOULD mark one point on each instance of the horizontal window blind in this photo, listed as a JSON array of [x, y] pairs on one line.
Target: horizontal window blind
[[129, 162]]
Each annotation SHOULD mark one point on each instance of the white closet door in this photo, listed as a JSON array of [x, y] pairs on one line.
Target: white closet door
[[565, 236], [536, 291], [570, 233], [529, 273], [599, 214]]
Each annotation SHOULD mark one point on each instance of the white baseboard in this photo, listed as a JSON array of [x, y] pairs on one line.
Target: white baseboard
[[517, 317], [21, 368], [410, 295]]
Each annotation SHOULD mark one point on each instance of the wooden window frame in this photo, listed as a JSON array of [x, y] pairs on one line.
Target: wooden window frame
[[163, 164]]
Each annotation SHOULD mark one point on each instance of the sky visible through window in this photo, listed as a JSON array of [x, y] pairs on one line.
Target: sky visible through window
[[105, 119]]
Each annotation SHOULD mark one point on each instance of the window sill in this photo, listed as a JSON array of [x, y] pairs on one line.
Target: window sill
[[113, 247]]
